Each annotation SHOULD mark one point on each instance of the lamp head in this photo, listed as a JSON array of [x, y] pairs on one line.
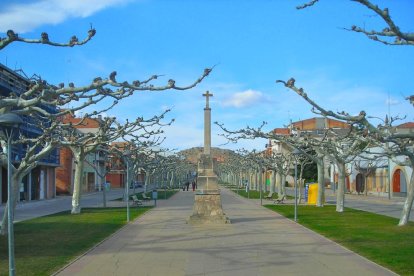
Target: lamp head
[[10, 120]]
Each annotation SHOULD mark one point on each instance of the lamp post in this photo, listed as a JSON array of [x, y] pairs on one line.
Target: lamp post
[[333, 177], [260, 185], [127, 157], [102, 167], [8, 122], [295, 153]]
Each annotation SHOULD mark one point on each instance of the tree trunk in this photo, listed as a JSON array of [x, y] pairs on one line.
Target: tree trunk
[[340, 193], [408, 204], [147, 176], [301, 183], [283, 184], [252, 180], [321, 182], [273, 182], [4, 225], [279, 187], [172, 180], [16, 179], [256, 180], [4, 222], [77, 189]]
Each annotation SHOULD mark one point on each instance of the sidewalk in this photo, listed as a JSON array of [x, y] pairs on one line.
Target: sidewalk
[[32, 209], [258, 242]]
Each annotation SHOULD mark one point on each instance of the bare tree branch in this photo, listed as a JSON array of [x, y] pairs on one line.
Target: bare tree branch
[[392, 31], [74, 41], [308, 4]]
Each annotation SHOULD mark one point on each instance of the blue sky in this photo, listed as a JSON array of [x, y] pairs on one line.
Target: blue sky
[[253, 43]]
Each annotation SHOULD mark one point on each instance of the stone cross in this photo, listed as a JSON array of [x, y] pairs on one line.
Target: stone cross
[[207, 95], [207, 124]]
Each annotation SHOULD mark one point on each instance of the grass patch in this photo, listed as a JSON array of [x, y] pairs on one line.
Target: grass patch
[[45, 244], [374, 236], [252, 194], [162, 194]]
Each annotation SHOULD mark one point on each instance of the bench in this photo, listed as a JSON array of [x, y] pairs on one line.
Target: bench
[[145, 197], [269, 196], [280, 200], [135, 200]]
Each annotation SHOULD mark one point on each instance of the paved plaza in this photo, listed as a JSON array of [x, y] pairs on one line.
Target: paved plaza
[[258, 242]]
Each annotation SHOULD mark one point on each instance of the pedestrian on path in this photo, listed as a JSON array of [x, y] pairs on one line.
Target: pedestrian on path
[[193, 184], [187, 184]]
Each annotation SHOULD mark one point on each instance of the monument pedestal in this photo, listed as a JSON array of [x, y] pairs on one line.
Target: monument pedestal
[[207, 207]]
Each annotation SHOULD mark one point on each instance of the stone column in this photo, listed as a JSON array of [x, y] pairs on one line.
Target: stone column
[[207, 202], [207, 124], [207, 131]]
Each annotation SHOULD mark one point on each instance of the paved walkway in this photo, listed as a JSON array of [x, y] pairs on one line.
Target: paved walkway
[[258, 242], [37, 208], [371, 203]]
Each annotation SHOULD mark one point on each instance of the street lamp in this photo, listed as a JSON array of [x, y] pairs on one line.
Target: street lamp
[[101, 170], [260, 183], [295, 153], [127, 157], [333, 176], [8, 122]]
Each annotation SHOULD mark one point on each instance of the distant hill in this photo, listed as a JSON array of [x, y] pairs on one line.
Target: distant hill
[[218, 154]]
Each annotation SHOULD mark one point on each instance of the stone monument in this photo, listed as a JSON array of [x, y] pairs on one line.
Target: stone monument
[[207, 207]]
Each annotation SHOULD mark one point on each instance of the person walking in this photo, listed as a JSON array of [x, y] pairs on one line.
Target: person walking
[[187, 184], [193, 184]]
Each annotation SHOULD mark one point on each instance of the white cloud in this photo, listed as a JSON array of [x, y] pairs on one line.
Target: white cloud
[[182, 136], [26, 17], [79, 113], [243, 99], [391, 101]]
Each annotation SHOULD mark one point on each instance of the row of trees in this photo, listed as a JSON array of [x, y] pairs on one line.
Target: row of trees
[[46, 104], [363, 138], [266, 171]]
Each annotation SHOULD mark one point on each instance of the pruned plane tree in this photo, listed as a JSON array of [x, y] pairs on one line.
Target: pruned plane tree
[[46, 103]]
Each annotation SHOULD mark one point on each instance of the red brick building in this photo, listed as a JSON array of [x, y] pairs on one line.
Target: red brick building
[[65, 173], [116, 174]]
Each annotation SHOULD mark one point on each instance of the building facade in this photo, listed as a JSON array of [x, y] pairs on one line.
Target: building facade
[[40, 182], [94, 163], [365, 174]]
